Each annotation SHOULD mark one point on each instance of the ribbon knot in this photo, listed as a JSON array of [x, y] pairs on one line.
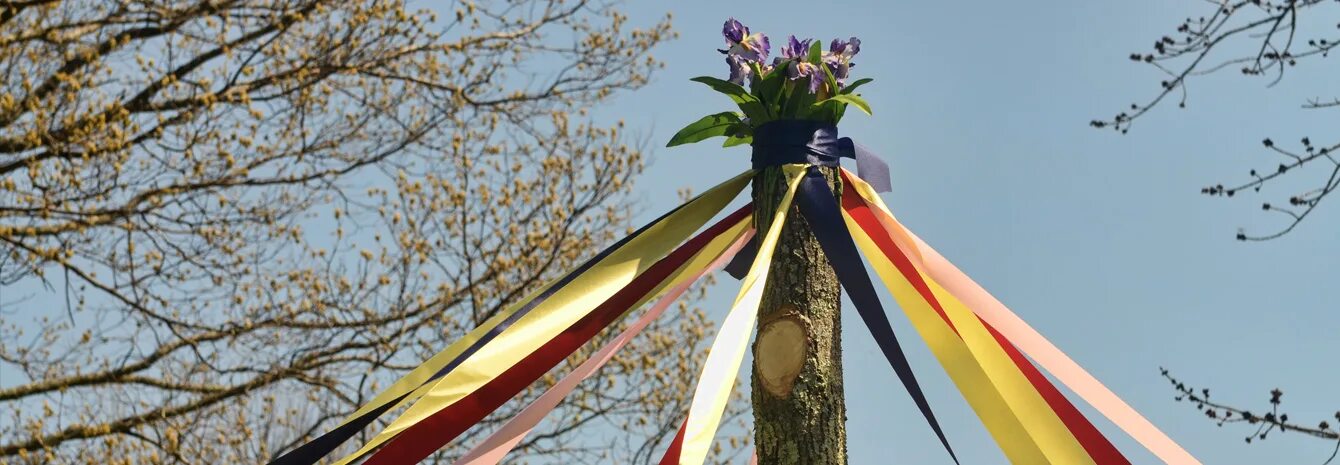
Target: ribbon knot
[[787, 141]]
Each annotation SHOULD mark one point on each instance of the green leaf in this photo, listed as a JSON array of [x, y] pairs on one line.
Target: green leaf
[[755, 79], [752, 107], [735, 91], [769, 89], [798, 101], [858, 83], [853, 99], [720, 124], [816, 53], [741, 134], [828, 78], [738, 140], [828, 110]]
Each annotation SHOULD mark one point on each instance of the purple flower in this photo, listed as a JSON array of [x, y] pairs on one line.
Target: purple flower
[[838, 57], [793, 57], [739, 69], [804, 69], [815, 74], [796, 49], [739, 42], [734, 31], [847, 48]]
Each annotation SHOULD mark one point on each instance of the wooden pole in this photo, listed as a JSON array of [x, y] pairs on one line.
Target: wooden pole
[[799, 410]]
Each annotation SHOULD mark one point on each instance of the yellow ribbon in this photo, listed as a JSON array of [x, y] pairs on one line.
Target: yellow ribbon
[[727, 352], [559, 311], [1016, 415], [1029, 341]]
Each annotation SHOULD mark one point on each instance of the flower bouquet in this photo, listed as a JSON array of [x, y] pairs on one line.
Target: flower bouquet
[[805, 83]]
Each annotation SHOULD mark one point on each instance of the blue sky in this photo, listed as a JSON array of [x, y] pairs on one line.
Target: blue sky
[[1101, 241]]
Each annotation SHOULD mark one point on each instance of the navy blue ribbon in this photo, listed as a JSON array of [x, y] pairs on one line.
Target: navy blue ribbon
[[824, 216], [795, 141], [313, 451]]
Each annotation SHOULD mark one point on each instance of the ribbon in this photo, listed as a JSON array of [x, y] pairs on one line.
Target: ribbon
[[1013, 330], [717, 379], [816, 143], [577, 292], [493, 448], [821, 211], [451, 413], [1002, 321], [1012, 409], [953, 354], [783, 142]]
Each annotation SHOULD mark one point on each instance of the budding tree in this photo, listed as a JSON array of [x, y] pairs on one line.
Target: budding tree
[[224, 224]]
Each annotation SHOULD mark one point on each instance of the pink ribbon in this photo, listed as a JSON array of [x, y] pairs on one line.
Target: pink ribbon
[[1048, 355], [496, 446]]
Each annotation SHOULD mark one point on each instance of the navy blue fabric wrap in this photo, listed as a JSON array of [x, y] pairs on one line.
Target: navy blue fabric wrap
[[824, 216], [817, 143], [784, 142]]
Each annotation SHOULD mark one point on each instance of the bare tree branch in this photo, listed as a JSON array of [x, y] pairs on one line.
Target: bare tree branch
[[1270, 421], [1263, 38]]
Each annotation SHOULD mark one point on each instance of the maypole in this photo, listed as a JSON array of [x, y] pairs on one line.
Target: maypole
[[789, 115], [795, 248], [796, 384]]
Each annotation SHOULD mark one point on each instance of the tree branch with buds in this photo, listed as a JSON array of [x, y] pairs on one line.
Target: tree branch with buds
[[1261, 38], [1266, 422]]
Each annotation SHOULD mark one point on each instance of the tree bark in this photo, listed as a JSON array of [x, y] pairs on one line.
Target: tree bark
[[799, 411]]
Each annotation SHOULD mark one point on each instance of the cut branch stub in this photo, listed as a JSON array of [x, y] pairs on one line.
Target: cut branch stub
[[783, 345]]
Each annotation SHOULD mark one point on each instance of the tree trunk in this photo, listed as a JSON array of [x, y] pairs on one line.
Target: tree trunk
[[799, 412]]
